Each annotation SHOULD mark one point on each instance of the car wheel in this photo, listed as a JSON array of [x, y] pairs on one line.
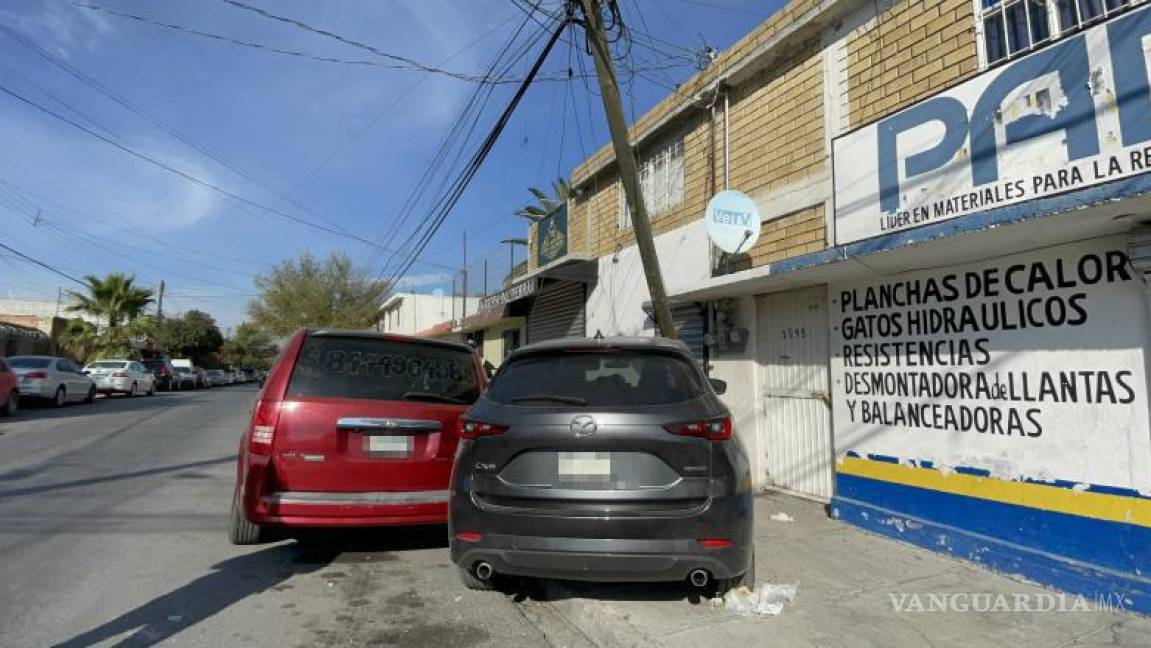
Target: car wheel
[[471, 582], [724, 585], [132, 391], [11, 405], [91, 397], [151, 389], [240, 530], [61, 397]]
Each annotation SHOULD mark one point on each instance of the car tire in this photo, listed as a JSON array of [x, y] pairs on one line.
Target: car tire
[[61, 397], [240, 530], [725, 585], [12, 405], [132, 391], [151, 389], [91, 397], [470, 581]]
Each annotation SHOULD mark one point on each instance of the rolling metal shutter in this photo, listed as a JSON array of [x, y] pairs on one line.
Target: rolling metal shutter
[[558, 312], [691, 321]]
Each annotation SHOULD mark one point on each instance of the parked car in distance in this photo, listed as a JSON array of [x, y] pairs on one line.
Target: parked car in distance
[[202, 381], [353, 429], [217, 377], [164, 373], [51, 378], [602, 460], [187, 379], [9, 390], [128, 377]]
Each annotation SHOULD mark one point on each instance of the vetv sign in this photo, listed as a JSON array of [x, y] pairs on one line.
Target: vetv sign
[[1073, 115]]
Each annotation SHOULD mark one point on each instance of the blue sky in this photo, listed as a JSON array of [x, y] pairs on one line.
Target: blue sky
[[296, 126]]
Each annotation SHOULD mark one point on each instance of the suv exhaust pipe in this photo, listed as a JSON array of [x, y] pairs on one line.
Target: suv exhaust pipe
[[484, 571], [699, 578]]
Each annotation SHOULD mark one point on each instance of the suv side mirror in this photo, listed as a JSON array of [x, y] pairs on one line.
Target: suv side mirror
[[720, 386]]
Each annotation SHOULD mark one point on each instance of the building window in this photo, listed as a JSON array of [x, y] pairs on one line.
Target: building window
[[1012, 27], [660, 180], [511, 341]]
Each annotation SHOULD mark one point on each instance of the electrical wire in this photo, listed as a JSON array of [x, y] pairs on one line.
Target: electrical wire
[[46, 266]]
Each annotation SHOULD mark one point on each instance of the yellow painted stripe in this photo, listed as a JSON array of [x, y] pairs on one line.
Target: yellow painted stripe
[[1102, 506]]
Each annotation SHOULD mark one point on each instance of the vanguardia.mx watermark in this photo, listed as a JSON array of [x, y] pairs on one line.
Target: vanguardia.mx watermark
[[1016, 602]]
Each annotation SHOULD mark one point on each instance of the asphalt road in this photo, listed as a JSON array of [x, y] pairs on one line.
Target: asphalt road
[[112, 532]]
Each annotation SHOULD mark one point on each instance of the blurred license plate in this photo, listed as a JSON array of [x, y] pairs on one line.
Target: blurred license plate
[[584, 466], [389, 444]]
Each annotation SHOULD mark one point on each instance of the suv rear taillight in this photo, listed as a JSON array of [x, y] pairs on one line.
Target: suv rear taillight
[[264, 421], [712, 430], [471, 428]]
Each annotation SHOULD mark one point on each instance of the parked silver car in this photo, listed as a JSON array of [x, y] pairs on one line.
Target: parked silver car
[[52, 378], [121, 377]]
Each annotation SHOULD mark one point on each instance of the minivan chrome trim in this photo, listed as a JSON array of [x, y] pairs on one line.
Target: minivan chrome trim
[[399, 425], [311, 497]]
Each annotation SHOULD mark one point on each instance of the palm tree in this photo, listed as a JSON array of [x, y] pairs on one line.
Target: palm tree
[[78, 339], [113, 299], [547, 204]]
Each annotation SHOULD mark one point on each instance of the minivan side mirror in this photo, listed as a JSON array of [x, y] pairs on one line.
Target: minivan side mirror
[[720, 386]]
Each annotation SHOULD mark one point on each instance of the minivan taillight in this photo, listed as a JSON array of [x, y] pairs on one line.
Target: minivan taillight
[[712, 430], [35, 375], [471, 428], [264, 421]]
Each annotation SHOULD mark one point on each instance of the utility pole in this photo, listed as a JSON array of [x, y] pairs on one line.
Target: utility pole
[[464, 271], [160, 302], [625, 159]]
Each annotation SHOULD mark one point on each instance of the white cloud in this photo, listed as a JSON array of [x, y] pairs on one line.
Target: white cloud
[[60, 28]]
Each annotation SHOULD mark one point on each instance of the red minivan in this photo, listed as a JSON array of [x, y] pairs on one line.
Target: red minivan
[[353, 428]]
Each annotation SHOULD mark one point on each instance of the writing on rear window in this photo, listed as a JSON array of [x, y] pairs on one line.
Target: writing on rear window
[[378, 369]]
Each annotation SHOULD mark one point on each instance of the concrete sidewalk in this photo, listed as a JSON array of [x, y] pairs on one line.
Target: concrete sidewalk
[[850, 583]]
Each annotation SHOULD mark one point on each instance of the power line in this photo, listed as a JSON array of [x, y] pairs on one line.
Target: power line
[[189, 177], [42, 264]]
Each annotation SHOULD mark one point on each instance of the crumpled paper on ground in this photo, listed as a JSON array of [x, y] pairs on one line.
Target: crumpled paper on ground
[[766, 598], [782, 517]]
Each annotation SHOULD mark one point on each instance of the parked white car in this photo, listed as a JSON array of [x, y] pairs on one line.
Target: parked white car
[[51, 378], [121, 377]]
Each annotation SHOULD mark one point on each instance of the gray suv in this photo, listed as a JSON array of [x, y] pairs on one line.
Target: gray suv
[[602, 460]]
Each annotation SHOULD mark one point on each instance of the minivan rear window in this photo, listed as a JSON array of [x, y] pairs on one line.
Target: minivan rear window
[[18, 362], [597, 378], [379, 369]]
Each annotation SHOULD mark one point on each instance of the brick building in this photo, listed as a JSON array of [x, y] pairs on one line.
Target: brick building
[[941, 328]]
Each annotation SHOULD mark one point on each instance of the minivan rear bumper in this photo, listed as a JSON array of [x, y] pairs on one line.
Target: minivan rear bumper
[[600, 560], [313, 509]]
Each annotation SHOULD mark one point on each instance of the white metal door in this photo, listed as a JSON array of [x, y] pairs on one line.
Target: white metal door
[[793, 361]]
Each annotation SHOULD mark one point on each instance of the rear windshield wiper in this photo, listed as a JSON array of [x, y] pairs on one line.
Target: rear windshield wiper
[[553, 398], [430, 396]]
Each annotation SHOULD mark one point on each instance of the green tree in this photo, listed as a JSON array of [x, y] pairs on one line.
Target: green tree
[[561, 193], [307, 292], [113, 299], [192, 335], [251, 346], [78, 339]]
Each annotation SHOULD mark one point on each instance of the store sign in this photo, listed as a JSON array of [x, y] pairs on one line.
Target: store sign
[[1029, 366], [733, 222], [516, 291], [552, 237], [1069, 116]]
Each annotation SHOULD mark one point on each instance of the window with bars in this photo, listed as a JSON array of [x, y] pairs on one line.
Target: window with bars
[[660, 180], [1012, 27]]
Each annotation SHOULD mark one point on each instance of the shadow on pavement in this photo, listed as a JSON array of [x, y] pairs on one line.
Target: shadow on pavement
[[229, 582], [238, 578], [543, 590], [77, 483]]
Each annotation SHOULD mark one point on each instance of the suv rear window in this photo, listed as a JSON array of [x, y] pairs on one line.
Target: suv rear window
[[378, 369], [597, 378]]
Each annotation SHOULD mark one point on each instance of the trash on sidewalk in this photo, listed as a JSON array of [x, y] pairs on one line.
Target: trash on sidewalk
[[782, 517], [767, 598]]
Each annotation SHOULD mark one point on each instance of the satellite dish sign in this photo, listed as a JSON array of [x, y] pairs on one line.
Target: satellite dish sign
[[732, 221]]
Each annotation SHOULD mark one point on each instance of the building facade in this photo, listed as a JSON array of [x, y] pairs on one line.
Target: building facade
[[942, 327]]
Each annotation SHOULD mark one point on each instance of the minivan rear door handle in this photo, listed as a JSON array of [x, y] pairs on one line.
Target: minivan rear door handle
[[389, 424]]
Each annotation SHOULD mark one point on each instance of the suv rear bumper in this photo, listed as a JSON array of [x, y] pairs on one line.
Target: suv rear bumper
[[602, 560], [313, 509]]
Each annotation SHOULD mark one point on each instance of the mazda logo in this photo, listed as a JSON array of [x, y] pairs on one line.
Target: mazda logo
[[583, 425]]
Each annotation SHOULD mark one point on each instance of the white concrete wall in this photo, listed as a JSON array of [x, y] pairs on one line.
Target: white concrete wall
[[743, 398], [417, 312], [614, 306]]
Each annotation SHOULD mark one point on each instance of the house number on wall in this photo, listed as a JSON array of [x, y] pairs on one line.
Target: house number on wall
[[794, 332]]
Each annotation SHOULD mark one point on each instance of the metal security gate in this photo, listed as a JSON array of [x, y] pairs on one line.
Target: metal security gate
[[795, 440], [558, 311], [690, 319]]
